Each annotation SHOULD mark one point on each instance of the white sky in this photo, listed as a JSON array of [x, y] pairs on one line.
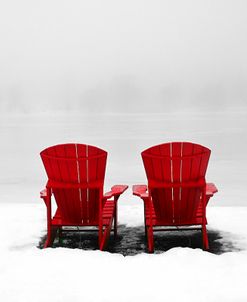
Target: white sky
[[122, 55]]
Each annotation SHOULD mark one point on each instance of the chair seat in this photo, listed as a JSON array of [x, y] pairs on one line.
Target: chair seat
[[196, 220], [107, 214]]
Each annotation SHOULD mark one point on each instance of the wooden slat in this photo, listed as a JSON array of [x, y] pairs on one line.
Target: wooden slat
[[101, 167], [185, 177], [148, 165], [167, 194], [191, 203], [176, 151], [204, 164], [92, 169]]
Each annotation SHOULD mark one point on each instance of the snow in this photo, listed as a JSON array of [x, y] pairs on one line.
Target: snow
[[28, 273]]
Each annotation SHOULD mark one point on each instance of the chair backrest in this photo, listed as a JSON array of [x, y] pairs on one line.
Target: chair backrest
[[76, 175], [176, 176]]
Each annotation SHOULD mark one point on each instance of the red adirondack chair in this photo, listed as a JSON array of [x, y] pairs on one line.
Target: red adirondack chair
[[177, 193], [76, 175]]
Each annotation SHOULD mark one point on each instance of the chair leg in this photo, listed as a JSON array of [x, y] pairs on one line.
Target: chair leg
[[51, 234], [205, 238], [150, 239], [100, 235], [115, 222], [105, 237], [48, 241], [145, 221], [60, 235]]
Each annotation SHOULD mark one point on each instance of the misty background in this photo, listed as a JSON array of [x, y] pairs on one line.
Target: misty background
[[122, 75], [122, 56]]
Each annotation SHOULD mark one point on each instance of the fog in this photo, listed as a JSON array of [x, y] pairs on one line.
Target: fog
[[122, 56], [122, 75]]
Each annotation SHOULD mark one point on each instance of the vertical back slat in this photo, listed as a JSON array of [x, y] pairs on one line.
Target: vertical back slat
[[101, 168], [148, 165], [92, 165], [204, 164], [193, 200], [60, 194], [156, 165], [166, 195], [186, 172]]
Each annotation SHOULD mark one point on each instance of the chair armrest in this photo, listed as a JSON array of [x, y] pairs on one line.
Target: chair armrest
[[43, 194], [211, 189], [140, 190], [115, 191]]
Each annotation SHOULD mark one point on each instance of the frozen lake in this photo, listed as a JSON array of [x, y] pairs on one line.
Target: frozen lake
[[124, 137]]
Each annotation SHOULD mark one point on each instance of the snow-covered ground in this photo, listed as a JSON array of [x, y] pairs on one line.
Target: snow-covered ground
[[28, 273], [179, 271]]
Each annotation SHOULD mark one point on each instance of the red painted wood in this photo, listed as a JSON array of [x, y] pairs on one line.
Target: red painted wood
[[76, 175], [176, 185]]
